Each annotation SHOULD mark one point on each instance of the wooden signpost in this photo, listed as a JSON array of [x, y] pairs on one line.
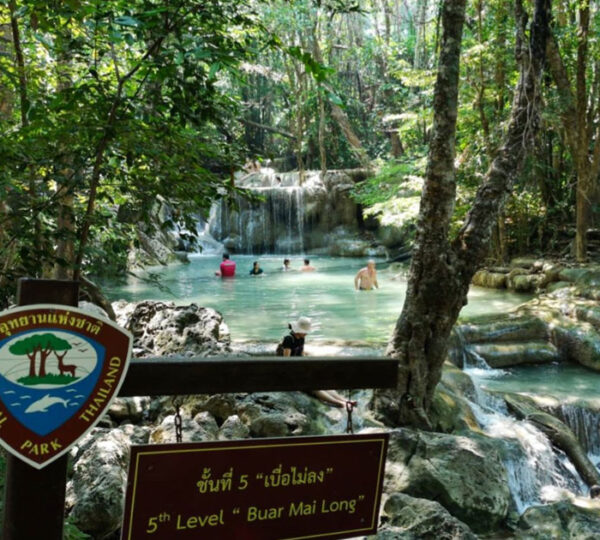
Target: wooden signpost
[[296, 487], [27, 487]]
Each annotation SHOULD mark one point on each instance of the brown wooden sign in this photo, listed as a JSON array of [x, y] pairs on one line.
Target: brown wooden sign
[[60, 368], [298, 487]]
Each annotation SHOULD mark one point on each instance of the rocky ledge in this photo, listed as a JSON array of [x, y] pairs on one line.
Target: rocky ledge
[[164, 329], [561, 324]]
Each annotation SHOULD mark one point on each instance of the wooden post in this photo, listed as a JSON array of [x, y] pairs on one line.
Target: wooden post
[[34, 500]]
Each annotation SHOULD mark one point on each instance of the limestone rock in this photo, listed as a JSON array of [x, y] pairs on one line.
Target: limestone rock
[[554, 286], [192, 431], [136, 434], [564, 520], [208, 424], [464, 474], [413, 518], [221, 406], [270, 426], [164, 329], [129, 409], [520, 280], [499, 355], [511, 328], [233, 428], [523, 262], [491, 280], [96, 491], [578, 343], [451, 412]]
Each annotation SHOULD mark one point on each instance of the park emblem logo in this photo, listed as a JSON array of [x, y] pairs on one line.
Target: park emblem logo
[[60, 369]]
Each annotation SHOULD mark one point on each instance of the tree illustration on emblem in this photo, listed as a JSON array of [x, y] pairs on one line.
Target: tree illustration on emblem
[[39, 347]]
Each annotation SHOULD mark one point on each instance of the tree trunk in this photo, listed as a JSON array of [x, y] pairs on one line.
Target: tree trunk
[[421, 35], [322, 119], [584, 182], [343, 121], [419, 341], [44, 353], [396, 147], [419, 338], [578, 118], [65, 222], [32, 363]]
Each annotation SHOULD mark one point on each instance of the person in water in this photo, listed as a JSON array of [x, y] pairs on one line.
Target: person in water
[[366, 278], [286, 265], [293, 345], [256, 269], [307, 266], [227, 268]]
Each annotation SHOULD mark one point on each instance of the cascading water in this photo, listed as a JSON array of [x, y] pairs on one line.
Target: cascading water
[[585, 424], [274, 225], [532, 463], [285, 215]]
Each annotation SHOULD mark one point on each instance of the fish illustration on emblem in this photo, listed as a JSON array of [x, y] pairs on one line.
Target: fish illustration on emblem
[[60, 368]]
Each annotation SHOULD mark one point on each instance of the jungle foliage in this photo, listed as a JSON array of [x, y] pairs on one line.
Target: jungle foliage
[[107, 109], [110, 109]]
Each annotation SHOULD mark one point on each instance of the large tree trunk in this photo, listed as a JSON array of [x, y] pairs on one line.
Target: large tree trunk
[[441, 271]]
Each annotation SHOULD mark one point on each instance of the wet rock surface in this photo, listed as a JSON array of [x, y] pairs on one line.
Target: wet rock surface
[[558, 326], [568, 520]]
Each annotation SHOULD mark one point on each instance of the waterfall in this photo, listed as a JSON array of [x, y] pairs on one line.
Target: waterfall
[[274, 225], [531, 461], [470, 359], [585, 423], [204, 240]]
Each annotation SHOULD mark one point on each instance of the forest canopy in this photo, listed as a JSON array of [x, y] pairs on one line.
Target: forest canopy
[[109, 109]]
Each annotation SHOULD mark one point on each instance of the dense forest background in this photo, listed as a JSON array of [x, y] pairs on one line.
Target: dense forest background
[[108, 106]]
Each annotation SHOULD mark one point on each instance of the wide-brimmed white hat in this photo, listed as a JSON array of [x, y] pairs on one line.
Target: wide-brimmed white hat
[[302, 326]]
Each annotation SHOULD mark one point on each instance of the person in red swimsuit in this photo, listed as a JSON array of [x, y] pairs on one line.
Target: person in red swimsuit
[[227, 268]]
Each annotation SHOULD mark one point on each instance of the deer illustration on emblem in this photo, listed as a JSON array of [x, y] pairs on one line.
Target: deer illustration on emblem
[[65, 368]]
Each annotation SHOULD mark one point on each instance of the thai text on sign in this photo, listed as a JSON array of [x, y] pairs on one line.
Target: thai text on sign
[[299, 487]]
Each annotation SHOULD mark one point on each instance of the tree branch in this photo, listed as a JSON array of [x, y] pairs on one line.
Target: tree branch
[[268, 128]]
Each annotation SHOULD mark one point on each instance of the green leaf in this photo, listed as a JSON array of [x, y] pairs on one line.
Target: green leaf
[[126, 20]]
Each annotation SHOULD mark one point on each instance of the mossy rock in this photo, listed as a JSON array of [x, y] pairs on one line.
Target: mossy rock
[[564, 520], [499, 355], [503, 329], [554, 286], [451, 413], [490, 280]]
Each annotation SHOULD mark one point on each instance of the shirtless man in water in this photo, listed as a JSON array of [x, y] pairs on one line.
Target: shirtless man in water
[[366, 278]]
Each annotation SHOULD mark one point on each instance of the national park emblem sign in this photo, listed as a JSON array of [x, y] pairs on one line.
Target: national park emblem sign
[[60, 369]]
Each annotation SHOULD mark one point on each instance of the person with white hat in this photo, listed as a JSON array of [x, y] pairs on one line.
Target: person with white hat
[[293, 345]]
